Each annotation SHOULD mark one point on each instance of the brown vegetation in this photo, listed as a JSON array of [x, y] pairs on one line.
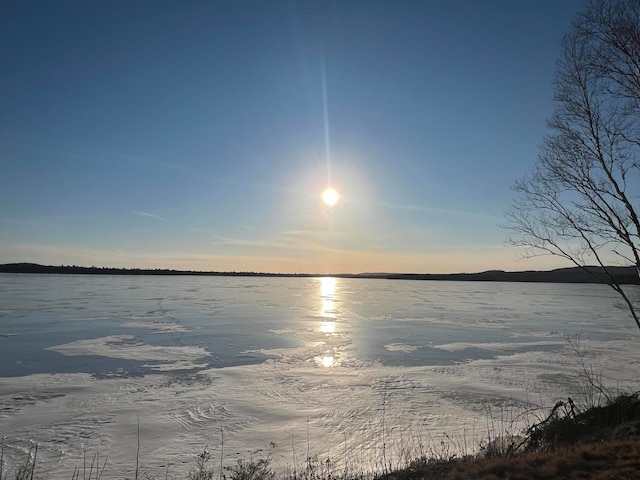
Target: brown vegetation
[[612, 459], [599, 442]]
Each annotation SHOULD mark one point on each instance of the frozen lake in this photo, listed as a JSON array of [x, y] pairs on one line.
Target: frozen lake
[[323, 366]]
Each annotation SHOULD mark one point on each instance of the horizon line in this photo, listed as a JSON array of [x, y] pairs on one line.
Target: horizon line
[[299, 274]]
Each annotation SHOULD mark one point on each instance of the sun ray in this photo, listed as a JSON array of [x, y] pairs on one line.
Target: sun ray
[[325, 106]]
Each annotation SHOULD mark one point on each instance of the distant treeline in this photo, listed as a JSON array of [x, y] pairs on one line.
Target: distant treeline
[[77, 270], [623, 275]]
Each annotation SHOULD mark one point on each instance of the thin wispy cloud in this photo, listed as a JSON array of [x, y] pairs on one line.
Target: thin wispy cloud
[[277, 242], [29, 222], [151, 215], [312, 233], [440, 211], [272, 243]]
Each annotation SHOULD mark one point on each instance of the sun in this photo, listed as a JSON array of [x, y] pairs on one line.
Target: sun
[[330, 196]]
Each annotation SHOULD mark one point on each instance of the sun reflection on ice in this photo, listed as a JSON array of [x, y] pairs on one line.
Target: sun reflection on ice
[[328, 359], [327, 296], [328, 327], [327, 305]]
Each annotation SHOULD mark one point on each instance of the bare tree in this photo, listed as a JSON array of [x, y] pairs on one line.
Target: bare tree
[[579, 201]]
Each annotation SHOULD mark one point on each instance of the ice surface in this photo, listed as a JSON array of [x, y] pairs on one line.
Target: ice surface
[[157, 327], [128, 348], [498, 347], [318, 366], [401, 347]]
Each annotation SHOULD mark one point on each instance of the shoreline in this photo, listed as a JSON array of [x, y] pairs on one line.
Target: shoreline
[[623, 275]]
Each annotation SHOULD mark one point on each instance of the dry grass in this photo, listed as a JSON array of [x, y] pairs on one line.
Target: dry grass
[[571, 443], [613, 459]]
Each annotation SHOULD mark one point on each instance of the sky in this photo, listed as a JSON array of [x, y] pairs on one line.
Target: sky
[[201, 134]]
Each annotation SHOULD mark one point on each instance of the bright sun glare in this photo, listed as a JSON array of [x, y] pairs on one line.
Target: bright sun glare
[[330, 196]]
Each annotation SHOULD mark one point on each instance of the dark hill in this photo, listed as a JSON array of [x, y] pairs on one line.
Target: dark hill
[[623, 275]]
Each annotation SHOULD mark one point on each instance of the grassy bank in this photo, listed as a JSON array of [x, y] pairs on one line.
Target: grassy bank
[[598, 442], [589, 441]]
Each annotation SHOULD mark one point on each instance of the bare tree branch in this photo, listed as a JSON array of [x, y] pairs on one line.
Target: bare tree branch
[[579, 202]]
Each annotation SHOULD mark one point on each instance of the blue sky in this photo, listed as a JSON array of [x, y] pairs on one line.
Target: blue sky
[[201, 134]]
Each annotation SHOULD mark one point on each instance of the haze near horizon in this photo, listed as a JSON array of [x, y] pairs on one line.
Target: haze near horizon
[[202, 135]]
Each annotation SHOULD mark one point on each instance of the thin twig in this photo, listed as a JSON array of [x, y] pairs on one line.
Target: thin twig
[[102, 470], [221, 452], [138, 448], [308, 447], [33, 465], [293, 453], [384, 444], [93, 462]]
